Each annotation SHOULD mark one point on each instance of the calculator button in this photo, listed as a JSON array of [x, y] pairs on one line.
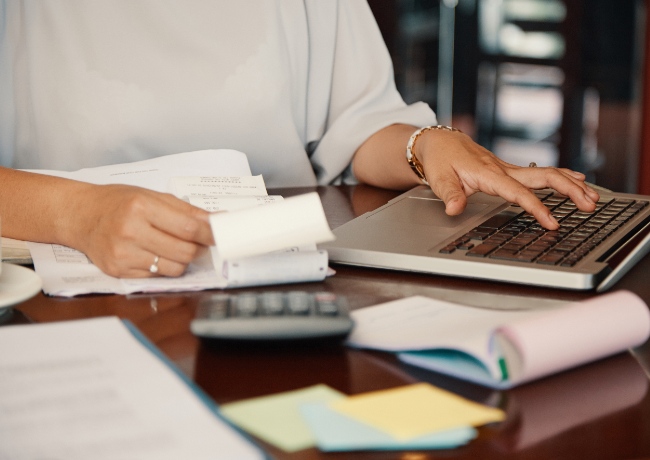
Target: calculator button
[[326, 303], [245, 305], [327, 308], [299, 303], [272, 303], [214, 308]]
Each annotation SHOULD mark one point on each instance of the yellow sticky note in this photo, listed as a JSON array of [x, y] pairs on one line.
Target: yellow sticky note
[[276, 418], [415, 410]]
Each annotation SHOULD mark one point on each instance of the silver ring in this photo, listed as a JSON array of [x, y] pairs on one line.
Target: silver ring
[[532, 164], [154, 266]]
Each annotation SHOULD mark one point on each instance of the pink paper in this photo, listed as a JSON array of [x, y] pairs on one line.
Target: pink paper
[[586, 331]]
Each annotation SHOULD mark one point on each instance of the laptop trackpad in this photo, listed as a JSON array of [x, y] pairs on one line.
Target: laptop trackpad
[[425, 211]]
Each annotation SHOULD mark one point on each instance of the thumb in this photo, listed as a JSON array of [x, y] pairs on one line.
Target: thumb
[[451, 193]]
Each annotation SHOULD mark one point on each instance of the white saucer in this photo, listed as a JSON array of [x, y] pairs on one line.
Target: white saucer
[[17, 284]]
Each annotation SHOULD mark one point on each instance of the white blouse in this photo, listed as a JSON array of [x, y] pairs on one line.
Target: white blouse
[[298, 85]]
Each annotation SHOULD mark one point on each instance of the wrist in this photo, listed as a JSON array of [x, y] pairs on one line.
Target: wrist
[[416, 144], [73, 223]]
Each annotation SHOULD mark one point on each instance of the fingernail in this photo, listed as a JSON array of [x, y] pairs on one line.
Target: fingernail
[[553, 220]]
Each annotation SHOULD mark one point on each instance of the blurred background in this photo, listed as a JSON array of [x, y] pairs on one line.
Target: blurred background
[[558, 82]]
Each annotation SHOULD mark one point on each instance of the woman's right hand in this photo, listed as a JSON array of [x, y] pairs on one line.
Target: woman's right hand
[[123, 229]]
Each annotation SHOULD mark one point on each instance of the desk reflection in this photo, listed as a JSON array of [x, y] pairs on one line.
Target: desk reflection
[[541, 410], [230, 372]]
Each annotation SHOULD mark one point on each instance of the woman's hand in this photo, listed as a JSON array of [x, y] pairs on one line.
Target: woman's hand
[[456, 167], [122, 229]]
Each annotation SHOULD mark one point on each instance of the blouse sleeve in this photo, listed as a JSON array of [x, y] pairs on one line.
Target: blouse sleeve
[[362, 98]]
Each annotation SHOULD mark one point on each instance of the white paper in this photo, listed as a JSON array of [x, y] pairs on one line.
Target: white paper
[[292, 222], [231, 203], [186, 187], [156, 173], [297, 264], [88, 389]]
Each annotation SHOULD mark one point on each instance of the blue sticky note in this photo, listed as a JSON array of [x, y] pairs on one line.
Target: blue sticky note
[[336, 432]]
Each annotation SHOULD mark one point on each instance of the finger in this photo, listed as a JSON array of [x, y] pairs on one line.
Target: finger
[[514, 191], [147, 265], [182, 220], [449, 189], [530, 203], [559, 179], [171, 247], [536, 177], [576, 174]]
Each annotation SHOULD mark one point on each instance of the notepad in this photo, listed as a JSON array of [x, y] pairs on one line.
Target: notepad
[[415, 410], [335, 432], [418, 416], [502, 349], [276, 418]]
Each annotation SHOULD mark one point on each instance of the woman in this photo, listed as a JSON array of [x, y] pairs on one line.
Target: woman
[[304, 87]]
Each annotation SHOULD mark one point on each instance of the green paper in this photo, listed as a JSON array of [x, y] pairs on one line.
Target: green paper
[[276, 419]]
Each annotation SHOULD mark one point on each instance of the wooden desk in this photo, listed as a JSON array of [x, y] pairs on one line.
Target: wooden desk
[[598, 411]]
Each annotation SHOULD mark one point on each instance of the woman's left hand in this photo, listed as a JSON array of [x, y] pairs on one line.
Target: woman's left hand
[[456, 167]]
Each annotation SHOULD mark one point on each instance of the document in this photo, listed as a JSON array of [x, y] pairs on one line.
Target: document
[[222, 186], [502, 349], [269, 257], [91, 389], [156, 173]]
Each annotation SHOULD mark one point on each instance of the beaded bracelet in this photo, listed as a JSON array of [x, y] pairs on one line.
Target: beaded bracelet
[[413, 161]]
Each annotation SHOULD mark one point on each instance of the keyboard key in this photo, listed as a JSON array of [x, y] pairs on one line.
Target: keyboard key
[[482, 250], [499, 220]]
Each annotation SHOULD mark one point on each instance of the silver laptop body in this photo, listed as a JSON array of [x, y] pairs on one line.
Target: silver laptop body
[[413, 233]]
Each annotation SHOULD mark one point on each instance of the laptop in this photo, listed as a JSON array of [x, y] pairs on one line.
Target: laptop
[[499, 241]]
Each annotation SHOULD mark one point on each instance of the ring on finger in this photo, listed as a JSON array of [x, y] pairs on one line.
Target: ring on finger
[[153, 268]]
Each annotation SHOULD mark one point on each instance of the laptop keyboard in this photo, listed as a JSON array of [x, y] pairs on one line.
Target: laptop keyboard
[[518, 236]]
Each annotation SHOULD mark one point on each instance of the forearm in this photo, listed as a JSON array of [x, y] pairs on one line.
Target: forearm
[[381, 161], [37, 207]]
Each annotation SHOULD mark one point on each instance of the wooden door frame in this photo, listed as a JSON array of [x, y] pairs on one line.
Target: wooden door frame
[[643, 179]]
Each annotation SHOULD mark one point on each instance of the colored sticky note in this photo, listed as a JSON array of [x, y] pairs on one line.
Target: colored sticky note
[[276, 419], [334, 432], [415, 410]]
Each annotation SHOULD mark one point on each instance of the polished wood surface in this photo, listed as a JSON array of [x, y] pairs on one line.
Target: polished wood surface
[[597, 411]]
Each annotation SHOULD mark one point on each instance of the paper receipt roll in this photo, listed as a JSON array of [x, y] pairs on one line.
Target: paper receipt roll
[[292, 222]]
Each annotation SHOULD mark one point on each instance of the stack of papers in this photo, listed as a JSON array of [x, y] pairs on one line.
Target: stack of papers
[[256, 245], [418, 416]]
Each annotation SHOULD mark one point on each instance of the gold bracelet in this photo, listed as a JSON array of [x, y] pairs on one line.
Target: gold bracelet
[[413, 161]]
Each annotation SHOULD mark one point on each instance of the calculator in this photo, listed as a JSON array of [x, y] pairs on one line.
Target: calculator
[[285, 315]]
